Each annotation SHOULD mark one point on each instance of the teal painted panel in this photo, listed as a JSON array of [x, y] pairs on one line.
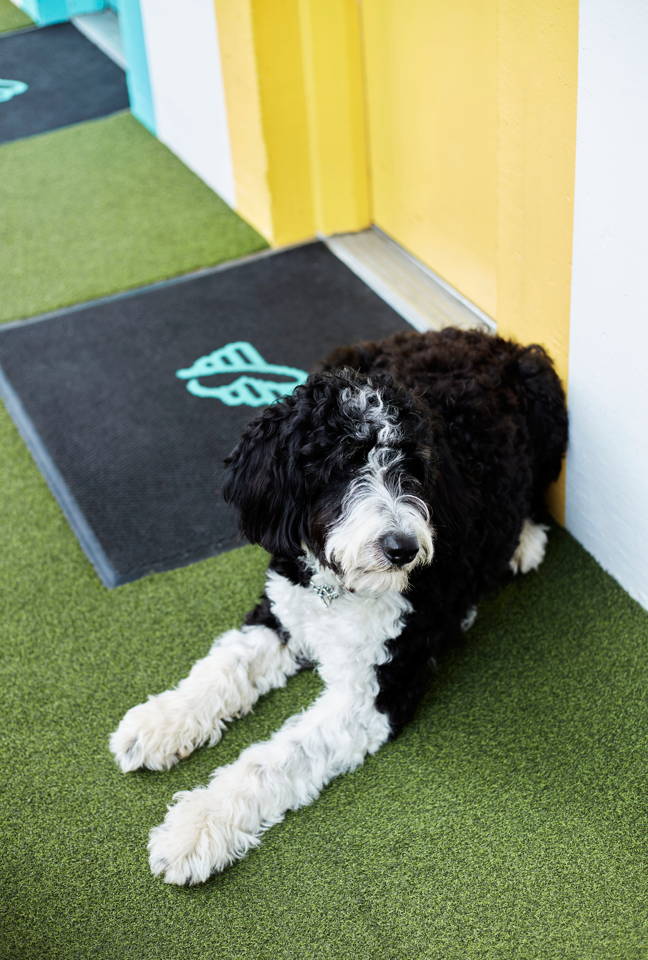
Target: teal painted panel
[[137, 71], [44, 12], [78, 7]]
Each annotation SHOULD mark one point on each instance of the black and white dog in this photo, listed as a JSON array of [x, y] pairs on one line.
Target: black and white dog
[[392, 489]]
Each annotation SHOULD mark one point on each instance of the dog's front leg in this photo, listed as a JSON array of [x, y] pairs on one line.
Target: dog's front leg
[[210, 827], [241, 666]]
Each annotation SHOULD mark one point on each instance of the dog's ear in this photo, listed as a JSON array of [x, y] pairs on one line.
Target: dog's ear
[[265, 484]]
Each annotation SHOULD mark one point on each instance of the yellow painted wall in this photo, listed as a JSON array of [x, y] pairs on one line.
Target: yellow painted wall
[[431, 93], [235, 25], [277, 40], [537, 87], [472, 132], [294, 85], [335, 98]]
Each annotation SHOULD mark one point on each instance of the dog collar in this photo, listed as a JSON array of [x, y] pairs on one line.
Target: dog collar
[[325, 592]]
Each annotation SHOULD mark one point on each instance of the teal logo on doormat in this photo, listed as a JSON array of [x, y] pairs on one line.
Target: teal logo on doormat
[[241, 357], [11, 88]]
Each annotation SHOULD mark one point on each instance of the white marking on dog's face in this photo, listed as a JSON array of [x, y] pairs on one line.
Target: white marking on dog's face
[[376, 506]]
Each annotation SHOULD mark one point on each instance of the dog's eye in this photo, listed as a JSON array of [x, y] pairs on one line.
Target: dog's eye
[[333, 465]]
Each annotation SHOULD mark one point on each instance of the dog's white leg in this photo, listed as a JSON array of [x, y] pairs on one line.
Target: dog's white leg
[[209, 828], [530, 550], [241, 666]]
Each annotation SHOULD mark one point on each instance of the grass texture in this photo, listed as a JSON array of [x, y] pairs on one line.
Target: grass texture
[[506, 821], [101, 207], [12, 18]]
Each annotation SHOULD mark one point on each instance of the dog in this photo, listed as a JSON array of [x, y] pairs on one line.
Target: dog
[[396, 486]]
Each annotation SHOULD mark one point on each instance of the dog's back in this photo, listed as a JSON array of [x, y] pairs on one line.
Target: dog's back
[[478, 383]]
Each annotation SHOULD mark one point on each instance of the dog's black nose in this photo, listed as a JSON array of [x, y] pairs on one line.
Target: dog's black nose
[[399, 548]]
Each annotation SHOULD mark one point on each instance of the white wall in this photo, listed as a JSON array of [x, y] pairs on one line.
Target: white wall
[[607, 478], [188, 96]]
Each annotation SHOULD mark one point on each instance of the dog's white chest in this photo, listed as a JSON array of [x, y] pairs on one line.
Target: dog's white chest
[[348, 634]]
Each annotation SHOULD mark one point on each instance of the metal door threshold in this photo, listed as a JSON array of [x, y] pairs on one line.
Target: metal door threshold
[[423, 299]]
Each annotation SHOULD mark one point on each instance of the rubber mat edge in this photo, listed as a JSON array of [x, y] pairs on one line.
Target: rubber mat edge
[[58, 487]]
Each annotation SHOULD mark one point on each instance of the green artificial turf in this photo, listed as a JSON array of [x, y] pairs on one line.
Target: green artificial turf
[[101, 207], [12, 18], [506, 822]]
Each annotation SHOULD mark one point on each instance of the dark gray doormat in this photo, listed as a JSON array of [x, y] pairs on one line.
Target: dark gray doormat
[[52, 77], [130, 404]]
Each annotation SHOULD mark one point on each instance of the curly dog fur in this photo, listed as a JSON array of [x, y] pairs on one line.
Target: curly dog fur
[[394, 488]]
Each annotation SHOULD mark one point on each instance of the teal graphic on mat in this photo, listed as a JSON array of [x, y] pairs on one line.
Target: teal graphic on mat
[[11, 88], [240, 357]]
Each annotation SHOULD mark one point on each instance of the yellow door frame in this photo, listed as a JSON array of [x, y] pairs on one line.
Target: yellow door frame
[[293, 70]]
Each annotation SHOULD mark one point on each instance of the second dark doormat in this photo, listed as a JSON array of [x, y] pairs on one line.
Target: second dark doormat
[[52, 77], [129, 405]]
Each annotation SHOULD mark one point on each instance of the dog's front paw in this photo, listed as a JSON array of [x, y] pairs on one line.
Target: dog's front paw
[[155, 734], [201, 835]]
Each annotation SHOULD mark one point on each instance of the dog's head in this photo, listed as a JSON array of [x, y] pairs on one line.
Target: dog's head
[[340, 471]]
